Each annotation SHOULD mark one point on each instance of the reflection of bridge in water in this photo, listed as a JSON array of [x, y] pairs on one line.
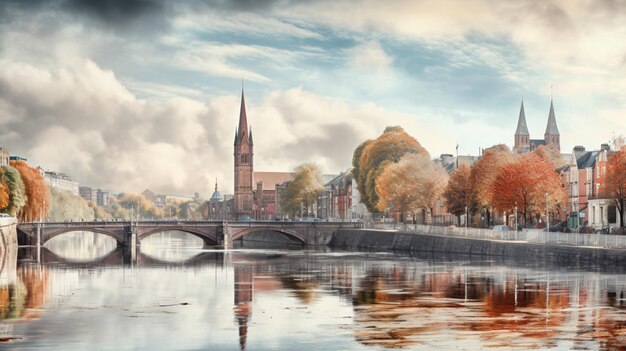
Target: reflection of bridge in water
[[220, 234]]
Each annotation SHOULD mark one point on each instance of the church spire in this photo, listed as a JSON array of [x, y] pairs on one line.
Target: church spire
[[551, 128], [242, 130], [522, 128]]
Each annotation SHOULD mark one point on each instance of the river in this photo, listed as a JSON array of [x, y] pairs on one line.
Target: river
[[84, 294]]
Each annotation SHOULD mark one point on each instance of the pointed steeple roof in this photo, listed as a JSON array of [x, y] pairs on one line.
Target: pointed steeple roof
[[551, 128], [522, 128], [242, 130]]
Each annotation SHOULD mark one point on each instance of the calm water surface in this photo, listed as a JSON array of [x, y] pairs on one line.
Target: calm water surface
[[86, 295]]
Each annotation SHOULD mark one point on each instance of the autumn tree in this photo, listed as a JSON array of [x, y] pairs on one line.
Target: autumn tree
[[458, 192], [37, 196], [371, 157], [414, 183], [300, 195], [530, 184], [12, 181], [616, 181], [66, 206], [4, 196], [483, 173], [549, 153], [137, 205]]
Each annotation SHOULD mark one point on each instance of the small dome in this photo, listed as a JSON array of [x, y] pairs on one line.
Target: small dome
[[217, 196]]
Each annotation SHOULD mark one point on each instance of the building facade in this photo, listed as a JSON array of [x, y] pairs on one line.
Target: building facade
[[584, 178], [522, 141], [61, 181], [88, 193]]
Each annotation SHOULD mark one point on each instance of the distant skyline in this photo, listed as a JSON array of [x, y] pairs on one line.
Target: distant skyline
[[128, 95]]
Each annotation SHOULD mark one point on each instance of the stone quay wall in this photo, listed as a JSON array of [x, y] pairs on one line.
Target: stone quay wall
[[380, 240]]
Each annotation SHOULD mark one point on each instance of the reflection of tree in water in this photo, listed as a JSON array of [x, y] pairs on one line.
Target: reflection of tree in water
[[609, 324], [26, 296], [302, 286], [392, 313]]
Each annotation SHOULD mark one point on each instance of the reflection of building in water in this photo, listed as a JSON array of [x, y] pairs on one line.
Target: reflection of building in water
[[243, 300]]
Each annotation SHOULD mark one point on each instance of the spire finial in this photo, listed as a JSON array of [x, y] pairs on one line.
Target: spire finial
[[215, 183]]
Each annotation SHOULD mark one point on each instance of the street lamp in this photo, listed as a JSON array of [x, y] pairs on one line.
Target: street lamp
[[547, 216]]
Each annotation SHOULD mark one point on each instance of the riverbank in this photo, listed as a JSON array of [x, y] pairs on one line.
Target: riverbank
[[392, 241], [8, 232]]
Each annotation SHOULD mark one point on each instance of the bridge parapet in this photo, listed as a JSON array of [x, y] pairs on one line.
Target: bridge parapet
[[129, 233]]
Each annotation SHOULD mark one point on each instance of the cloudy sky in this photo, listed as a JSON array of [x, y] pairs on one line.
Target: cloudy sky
[[127, 95]]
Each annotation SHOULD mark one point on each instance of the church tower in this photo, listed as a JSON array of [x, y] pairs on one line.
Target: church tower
[[243, 198], [552, 135], [522, 137]]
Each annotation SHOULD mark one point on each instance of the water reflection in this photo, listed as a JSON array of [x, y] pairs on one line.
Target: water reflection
[[192, 298], [81, 246]]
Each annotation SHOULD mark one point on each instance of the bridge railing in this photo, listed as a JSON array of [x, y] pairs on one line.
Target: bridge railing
[[193, 223]]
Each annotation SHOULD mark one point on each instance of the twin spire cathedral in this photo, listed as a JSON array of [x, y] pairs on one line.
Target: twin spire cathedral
[[523, 142]]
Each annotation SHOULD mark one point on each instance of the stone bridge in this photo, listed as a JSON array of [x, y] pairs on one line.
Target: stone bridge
[[213, 233]]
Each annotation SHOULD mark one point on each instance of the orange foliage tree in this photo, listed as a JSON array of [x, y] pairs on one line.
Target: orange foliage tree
[[372, 156], [4, 196], [414, 183], [616, 181], [484, 172], [531, 185], [458, 192], [37, 195]]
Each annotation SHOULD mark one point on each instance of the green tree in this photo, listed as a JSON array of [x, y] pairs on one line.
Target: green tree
[[12, 180], [370, 158], [300, 195]]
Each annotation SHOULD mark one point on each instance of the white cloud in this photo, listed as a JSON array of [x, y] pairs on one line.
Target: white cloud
[[84, 122]]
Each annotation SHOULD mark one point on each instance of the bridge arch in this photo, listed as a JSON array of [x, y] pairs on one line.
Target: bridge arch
[[289, 234], [206, 237], [49, 235]]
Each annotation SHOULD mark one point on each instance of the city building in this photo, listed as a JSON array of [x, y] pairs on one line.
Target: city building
[[340, 199], [523, 143], [603, 214], [255, 193], [584, 178], [4, 156], [88, 193], [265, 195], [17, 158], [61, 181], [218, 207], [102, 198]]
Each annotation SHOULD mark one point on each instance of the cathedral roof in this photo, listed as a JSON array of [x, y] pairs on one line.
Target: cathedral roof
[[522, 128], [551, 128]]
